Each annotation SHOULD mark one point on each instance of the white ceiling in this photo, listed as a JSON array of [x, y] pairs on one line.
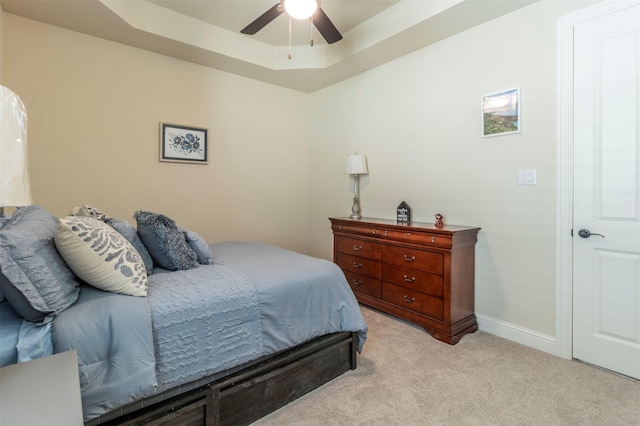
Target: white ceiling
[[233, 15], [207, 32]]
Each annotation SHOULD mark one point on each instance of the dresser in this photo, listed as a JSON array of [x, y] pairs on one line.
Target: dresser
[[415, 271]]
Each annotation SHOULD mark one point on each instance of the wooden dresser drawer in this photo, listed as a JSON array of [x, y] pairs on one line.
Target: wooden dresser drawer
[[359, 265], [408, 236], [363, 284], [413, 300], [359, 248], [414, 280], [426, 261], [357, 228]]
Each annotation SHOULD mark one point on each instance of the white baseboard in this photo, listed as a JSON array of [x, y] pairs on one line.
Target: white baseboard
[[524, 336]]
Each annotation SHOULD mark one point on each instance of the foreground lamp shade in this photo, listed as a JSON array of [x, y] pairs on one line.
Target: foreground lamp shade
[[15, 189]]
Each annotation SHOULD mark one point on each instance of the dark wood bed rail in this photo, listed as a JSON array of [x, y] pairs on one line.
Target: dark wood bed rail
[[248, 394]]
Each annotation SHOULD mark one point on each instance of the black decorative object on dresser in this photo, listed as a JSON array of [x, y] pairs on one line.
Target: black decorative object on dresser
[[403, 213], [419, 272]]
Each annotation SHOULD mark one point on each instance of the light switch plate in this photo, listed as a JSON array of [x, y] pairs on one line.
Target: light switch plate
[[527, 176]]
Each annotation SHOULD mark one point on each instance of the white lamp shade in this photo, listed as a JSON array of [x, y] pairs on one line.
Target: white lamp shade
[[301, 9], [14, 171], [357, 164]]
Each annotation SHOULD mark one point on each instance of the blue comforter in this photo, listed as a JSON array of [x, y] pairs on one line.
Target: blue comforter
[[254, 301]]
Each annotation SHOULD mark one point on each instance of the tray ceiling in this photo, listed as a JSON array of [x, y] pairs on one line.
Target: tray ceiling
[[207, 32]]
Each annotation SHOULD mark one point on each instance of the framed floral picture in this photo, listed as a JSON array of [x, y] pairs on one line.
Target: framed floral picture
[[501, 113], [183, 144]]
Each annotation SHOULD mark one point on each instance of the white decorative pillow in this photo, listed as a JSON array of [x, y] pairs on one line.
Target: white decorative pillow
[[100, 256], [86, 210]]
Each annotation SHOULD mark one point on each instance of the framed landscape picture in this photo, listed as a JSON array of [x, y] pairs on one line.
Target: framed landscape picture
[[501, 113], [183, 144]]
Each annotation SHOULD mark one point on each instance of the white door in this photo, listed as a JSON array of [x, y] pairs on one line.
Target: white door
[[606, 267]]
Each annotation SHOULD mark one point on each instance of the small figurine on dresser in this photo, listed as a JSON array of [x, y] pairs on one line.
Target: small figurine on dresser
[[439, 221], [403, 214]]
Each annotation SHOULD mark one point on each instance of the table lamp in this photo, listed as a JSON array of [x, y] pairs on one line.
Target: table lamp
[[356, 166]]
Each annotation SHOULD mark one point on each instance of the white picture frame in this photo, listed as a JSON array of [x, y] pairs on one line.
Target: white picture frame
[[501, 113]]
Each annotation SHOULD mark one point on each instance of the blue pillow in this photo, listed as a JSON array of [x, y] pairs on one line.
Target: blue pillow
[[19, 302], [10, 322], [40, 283], [128, 231], [165, 241], [199, 245], [3, 219]]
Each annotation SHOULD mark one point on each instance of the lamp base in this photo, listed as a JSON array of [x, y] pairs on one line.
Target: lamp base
[[355, 210]]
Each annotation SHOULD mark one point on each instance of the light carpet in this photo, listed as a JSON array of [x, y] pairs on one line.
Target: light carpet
[[406, 377]]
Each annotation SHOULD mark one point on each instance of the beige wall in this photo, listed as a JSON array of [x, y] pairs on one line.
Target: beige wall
[[418, 120], [1, 19], [94, 109]]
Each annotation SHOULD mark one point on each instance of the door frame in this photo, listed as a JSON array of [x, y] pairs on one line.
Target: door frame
[[564, 158]]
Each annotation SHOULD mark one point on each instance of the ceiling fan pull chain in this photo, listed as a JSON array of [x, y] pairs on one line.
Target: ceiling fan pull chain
[[289, 36], [311, 29]]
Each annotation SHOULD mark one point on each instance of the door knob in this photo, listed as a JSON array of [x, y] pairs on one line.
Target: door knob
[[585, 233]]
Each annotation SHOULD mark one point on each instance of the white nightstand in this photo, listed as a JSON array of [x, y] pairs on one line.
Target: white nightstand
[[44, 391]]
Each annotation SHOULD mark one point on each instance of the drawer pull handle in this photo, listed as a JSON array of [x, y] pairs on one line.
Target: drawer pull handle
[[357, 248], [409, 280], [409, 259], [406, 299], [357, 265], [433, 239], [357, 282]]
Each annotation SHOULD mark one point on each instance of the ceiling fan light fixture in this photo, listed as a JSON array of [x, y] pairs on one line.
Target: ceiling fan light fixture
[[301, 9]]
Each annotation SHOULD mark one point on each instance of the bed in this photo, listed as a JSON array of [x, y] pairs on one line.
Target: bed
[[223, 342]]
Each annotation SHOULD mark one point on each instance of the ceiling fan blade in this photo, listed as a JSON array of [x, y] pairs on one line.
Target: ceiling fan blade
[[326, 27], [263, 20]]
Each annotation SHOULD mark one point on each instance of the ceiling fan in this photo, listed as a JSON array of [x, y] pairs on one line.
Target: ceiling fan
[[298, 9]]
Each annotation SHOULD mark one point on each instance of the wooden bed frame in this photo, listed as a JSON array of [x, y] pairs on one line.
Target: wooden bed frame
[[246, 394]]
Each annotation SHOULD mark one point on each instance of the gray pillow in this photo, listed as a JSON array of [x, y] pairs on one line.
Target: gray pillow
[[199, 245], [165, 241], [3, 219], [18, 302], [38, 284], [129, 232]]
